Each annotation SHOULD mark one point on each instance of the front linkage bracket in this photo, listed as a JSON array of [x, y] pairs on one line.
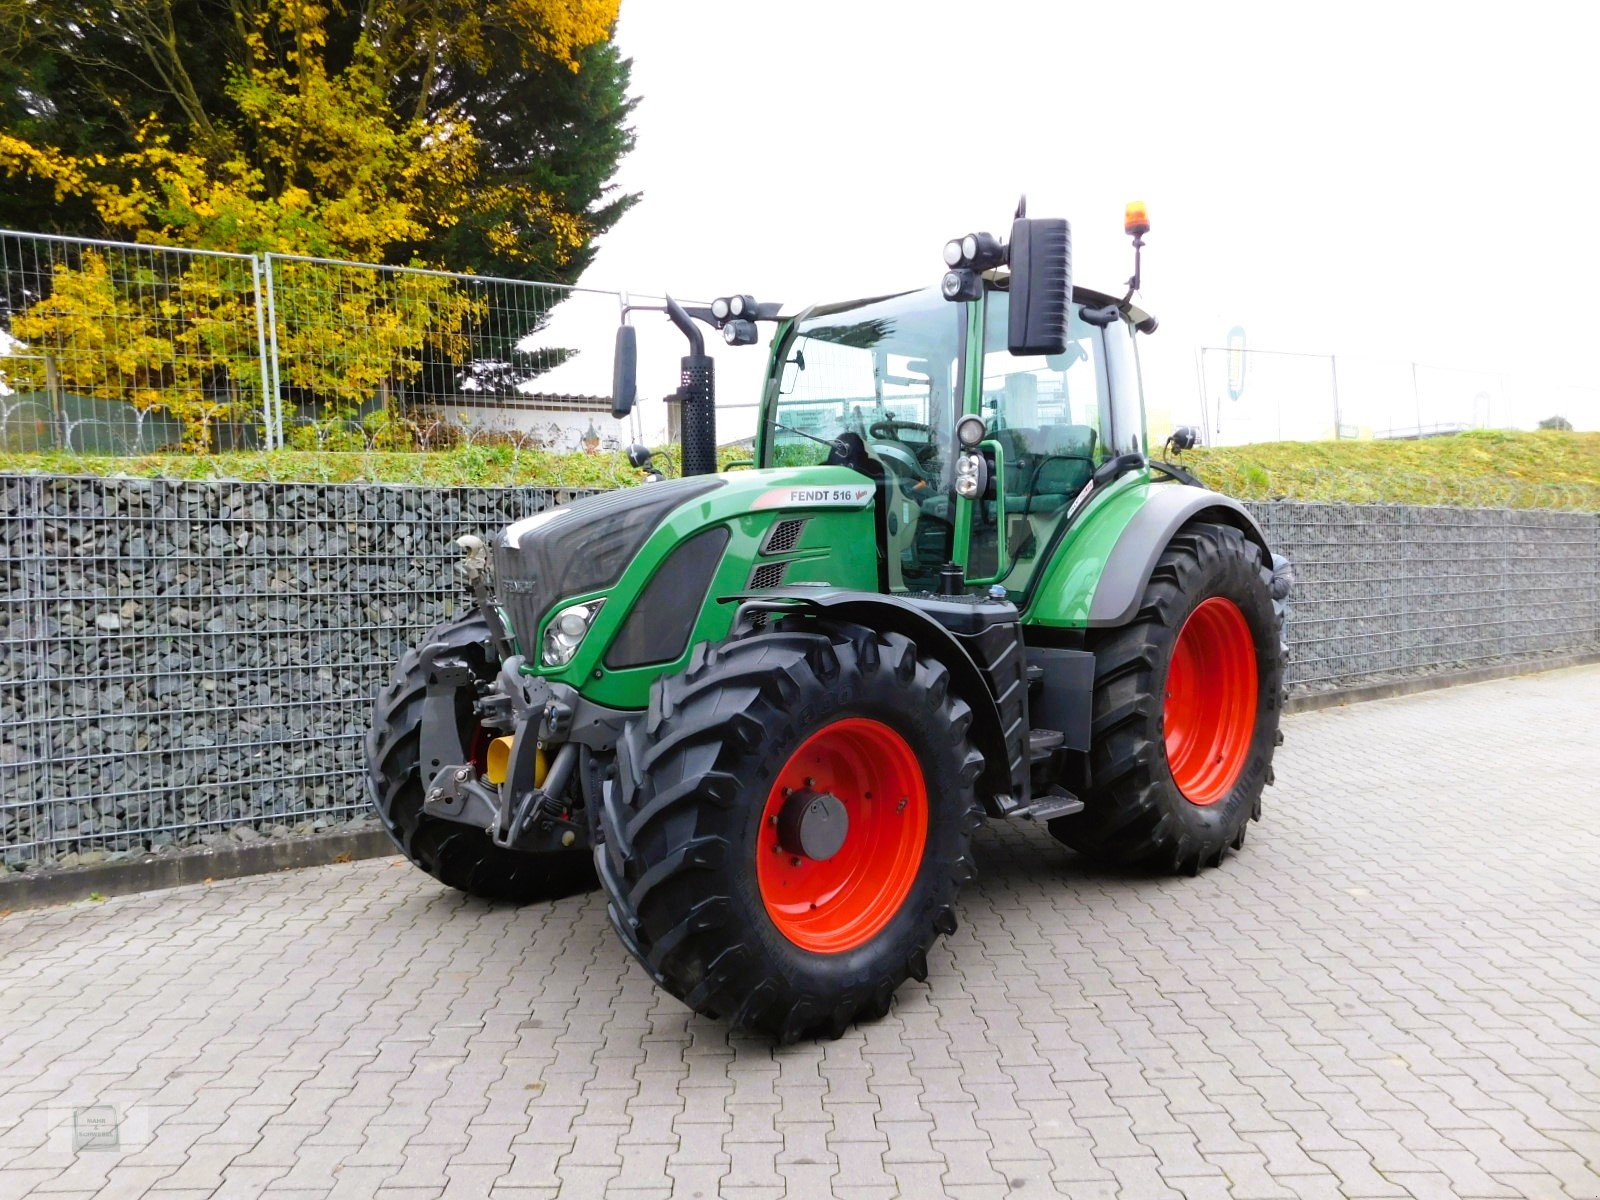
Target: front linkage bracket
[[536, 823], [456, 794]]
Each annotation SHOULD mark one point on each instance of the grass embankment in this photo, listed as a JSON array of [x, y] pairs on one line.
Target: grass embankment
[[471, 466], [1521, 470], [1486, 468]]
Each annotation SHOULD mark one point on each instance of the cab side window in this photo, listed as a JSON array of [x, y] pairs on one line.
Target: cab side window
[[1045, 412]]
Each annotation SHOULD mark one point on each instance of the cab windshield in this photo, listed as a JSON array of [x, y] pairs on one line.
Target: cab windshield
[[887, 370]]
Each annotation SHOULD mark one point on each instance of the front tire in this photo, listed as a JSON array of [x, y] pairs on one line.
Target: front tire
[[710, 868], [459, 855], [1187, 702]]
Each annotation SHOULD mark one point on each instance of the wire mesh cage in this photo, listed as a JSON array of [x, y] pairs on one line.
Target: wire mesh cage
[[186, 662]]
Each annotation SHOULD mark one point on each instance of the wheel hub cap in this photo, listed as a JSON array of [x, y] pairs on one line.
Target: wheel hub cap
[[842, 835], [813, 824]]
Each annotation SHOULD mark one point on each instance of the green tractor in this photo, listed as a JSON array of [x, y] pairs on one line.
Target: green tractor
[[770, 708]]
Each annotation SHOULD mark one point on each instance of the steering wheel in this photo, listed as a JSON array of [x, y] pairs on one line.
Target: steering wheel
[[890, 427]]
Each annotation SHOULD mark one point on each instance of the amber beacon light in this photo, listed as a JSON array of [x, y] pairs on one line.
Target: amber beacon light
[[1135, 221]]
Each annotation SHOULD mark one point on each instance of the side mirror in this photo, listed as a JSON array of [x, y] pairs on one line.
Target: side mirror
[[639, 456], [1184, 437], [1041, 285], [624, 374]]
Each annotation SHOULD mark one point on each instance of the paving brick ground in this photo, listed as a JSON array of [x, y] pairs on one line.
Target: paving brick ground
[[1394, 991]]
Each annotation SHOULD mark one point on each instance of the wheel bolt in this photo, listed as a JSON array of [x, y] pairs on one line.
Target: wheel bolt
[[795, 861]]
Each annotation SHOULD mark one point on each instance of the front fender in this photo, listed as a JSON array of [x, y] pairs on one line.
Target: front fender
[[998, 698]]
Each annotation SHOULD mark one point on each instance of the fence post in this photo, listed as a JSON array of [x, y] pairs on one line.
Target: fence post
[[62, 430], [271, 416], [1205, 409], [272, 343], [1333, 363], [1416, 397]]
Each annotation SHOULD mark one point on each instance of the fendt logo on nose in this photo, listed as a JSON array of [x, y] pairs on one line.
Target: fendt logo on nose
[[846, 496]]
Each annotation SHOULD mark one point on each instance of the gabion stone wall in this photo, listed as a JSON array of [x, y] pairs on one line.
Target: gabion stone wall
[[1396, 590], [193, 663]]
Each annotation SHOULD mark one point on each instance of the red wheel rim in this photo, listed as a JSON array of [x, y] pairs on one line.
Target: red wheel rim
[[844, 901], [1210, 711]]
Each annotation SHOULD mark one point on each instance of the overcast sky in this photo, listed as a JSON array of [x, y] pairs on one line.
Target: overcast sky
[[1385, 181]]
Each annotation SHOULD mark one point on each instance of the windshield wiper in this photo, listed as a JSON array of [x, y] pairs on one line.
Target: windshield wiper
[[828, 442]]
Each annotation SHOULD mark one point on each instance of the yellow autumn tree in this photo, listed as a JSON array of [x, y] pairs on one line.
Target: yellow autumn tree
[[146, 338], [294, 127]]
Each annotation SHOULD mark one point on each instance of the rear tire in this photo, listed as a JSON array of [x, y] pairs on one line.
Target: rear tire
[[455, 854], [1187, 701], [701, 889]]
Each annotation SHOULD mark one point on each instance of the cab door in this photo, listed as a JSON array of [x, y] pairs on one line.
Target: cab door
[[1047, 419]]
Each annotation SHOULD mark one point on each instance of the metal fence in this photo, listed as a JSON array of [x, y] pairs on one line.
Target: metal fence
[[193, 662], [1250, 396], [111, 347]]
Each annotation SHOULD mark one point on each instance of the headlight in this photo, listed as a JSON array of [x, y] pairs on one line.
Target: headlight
[[564, 634], [972, 476]]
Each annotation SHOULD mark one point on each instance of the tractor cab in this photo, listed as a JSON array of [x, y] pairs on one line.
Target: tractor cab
[[896, 372]]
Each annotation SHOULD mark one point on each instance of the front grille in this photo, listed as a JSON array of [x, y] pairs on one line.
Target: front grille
[[520, 595], [582, 550], [784, 536], [768, 575]]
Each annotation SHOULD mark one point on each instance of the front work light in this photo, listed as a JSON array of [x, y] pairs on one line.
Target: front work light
[[739, 333], [976, 252], [961, 284], [970, 431], [733, 308], [565, 632], [972, 476]]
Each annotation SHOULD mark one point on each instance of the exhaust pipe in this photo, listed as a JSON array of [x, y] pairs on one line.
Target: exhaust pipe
[[697, 392]]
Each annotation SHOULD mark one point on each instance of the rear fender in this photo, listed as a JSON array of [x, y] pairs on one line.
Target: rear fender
[[1099, 571], [1132, 561]]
